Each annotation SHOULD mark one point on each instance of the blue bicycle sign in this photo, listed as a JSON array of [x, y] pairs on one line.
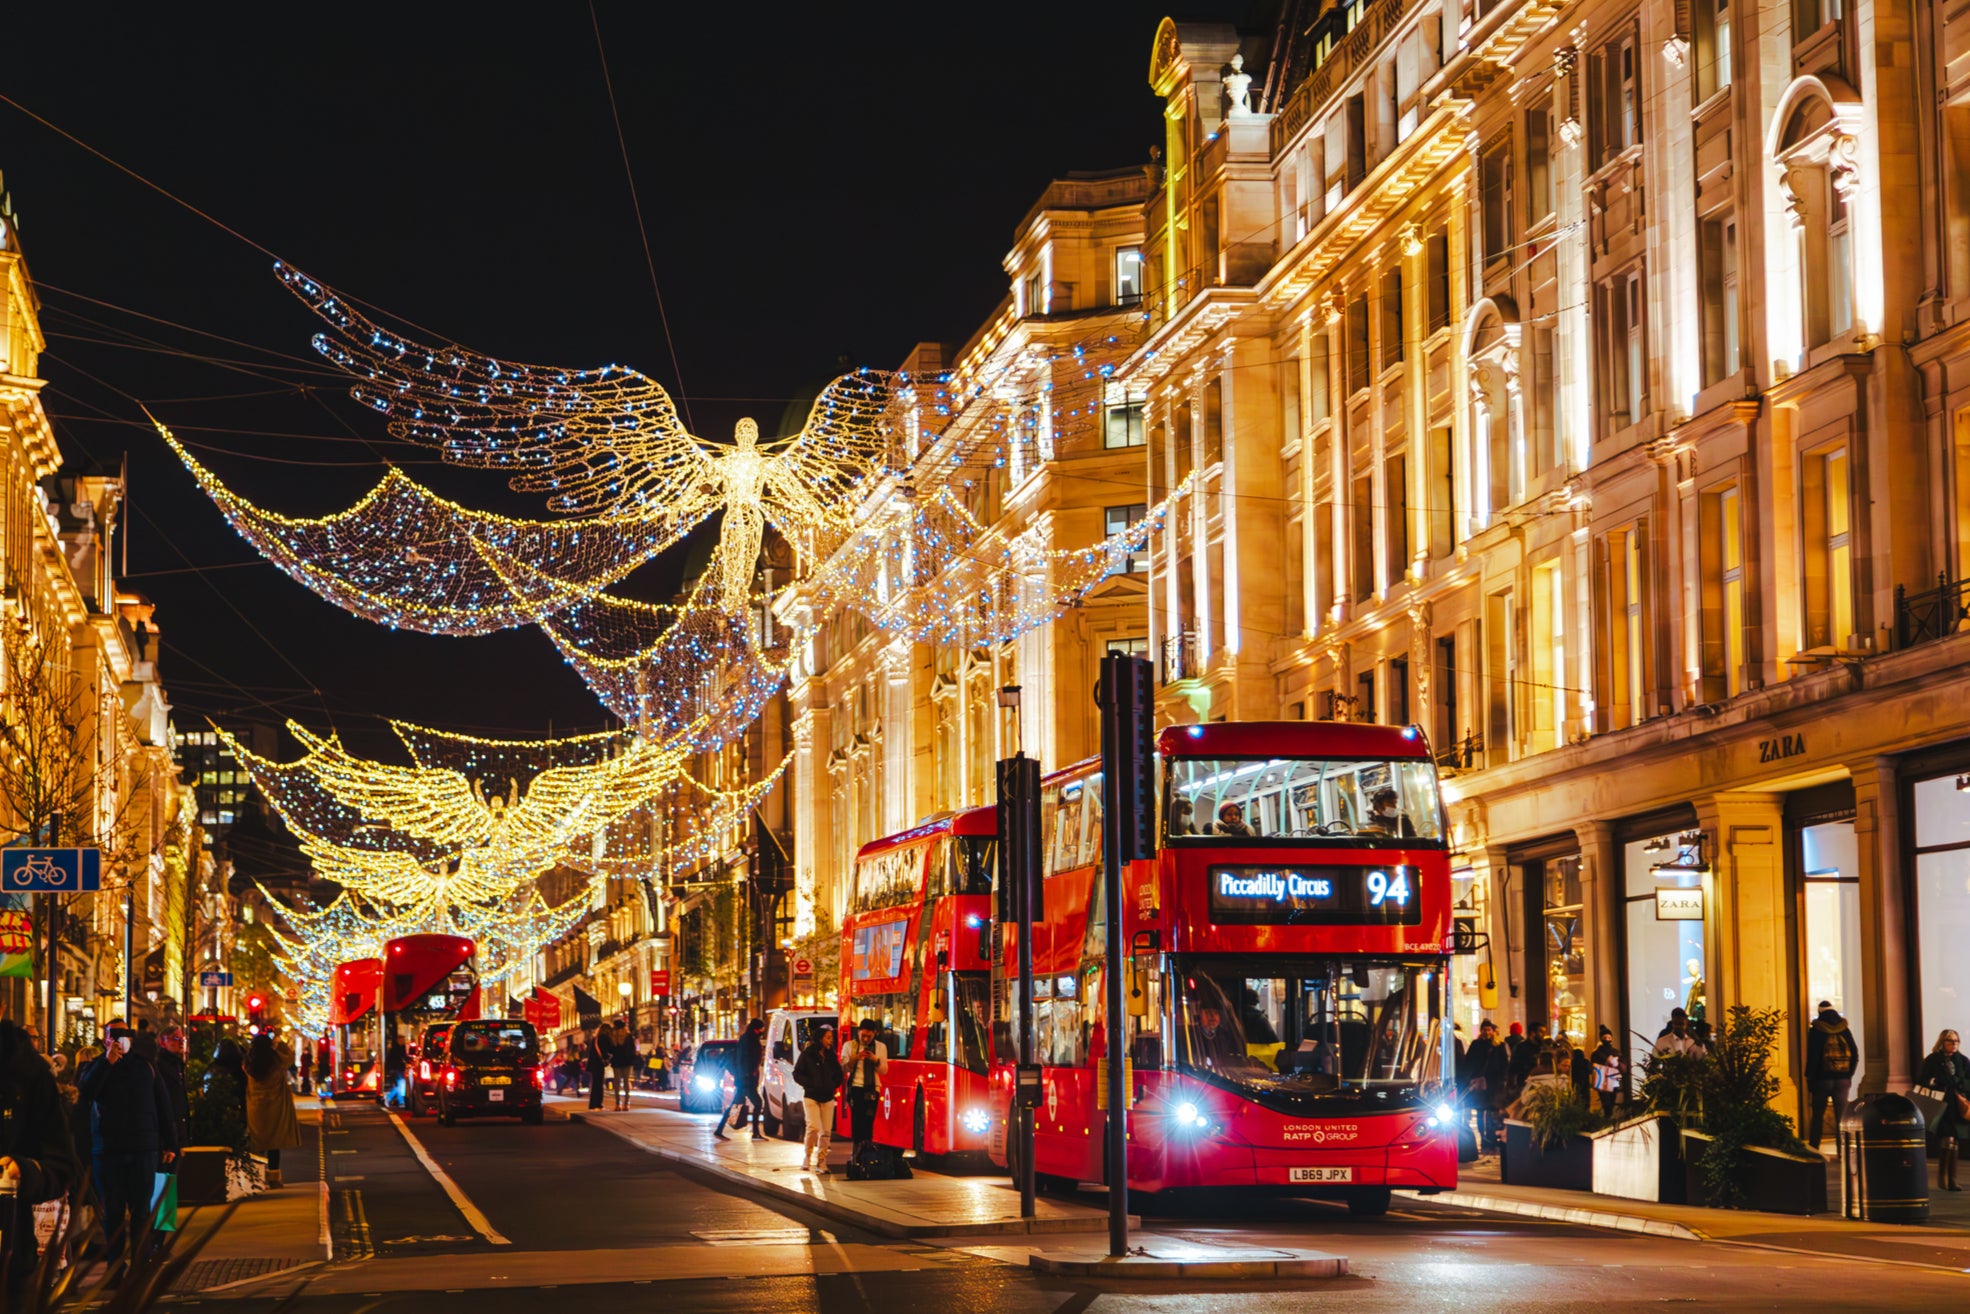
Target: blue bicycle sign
[[50, 871]]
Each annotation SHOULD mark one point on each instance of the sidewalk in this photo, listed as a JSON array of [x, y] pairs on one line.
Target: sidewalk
[[272, 1232], [929, 1204], [1943, 1242]]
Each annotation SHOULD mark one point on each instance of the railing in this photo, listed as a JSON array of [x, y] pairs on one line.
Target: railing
[[1462, 754], [1181, 659], [1932, 613]]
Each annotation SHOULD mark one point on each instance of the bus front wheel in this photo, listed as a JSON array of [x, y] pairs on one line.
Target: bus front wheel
[[1369, 1203]]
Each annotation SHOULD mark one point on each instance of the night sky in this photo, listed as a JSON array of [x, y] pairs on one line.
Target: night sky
[[821, 184]]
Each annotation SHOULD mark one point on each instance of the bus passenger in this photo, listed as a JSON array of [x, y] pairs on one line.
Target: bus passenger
[[1182, 818], [1385, 816], [1231, 821]]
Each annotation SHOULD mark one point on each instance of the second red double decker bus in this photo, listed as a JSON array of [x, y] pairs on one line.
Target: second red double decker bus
[[1287, 980], [352, 1027]]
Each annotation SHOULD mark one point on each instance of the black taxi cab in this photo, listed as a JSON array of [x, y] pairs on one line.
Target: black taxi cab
[[492, 1069]]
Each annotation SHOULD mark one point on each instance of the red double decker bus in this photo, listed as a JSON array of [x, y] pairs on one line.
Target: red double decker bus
[[916, 958], [352, 1027], [1287, 992], [426, 979]]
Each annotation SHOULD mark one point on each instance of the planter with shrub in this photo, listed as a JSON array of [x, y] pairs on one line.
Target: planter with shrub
[[1641, 1159], [1552, 1146]]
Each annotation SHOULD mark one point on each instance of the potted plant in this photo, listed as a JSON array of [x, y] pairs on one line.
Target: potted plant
[[215, 1166], [1641, 1159], [1738, 1151], [1551, 1144]]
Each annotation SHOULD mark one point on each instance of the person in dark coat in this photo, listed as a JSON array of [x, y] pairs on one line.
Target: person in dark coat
[[745, 1079], [1486, 1079], [1606, 1061], [168, 1053], [1947, 1073], [36, 1151], [598, 1054], [818, 1074], [229, 1064], [625, 1060], [1831, 1059], [1525, 1058], [134, 1136]]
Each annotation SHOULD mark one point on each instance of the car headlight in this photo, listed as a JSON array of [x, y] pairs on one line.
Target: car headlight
[[704, 1083], [975, 1121]]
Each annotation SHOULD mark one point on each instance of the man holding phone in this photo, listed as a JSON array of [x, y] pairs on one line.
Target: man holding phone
[[135, 1135]]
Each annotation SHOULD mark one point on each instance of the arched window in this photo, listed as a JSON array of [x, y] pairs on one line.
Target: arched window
[[1816, 158], [1496, 457]]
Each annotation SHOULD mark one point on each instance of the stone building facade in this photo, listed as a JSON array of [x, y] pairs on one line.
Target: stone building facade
[[1555, 381]]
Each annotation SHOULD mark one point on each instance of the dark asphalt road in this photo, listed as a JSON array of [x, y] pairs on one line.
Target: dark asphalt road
[[565, 1187]]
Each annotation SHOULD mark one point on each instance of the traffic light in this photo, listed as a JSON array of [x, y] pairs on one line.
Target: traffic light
[[256, 1012]]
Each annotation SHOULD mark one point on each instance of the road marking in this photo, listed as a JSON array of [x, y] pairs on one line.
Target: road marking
[[480, 1223]]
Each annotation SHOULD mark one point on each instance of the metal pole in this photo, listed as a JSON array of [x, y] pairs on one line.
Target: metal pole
[[129, 957], [1113, 750], [1028, 877], [53, 916]]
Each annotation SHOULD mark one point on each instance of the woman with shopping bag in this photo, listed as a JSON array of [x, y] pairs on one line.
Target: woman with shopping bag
[[1945, 1081], [270, 1122]]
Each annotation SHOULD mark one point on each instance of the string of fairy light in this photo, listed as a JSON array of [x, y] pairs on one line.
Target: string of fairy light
[[459, 839]]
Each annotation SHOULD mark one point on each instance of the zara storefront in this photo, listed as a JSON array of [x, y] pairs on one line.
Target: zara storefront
[[1807, 842]]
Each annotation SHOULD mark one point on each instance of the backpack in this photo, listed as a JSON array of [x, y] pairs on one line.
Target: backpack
[[1838, 1059], [874, 1162]]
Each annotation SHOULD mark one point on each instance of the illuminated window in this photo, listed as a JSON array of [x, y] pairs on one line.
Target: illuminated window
[[1712, 19], [1391, 317], [1717, 265], [1721, 558], [1495, 198], [1123, 426], [1116, 520], [1128, 275], [1539, 194], [1133, 647], [1826, 506]]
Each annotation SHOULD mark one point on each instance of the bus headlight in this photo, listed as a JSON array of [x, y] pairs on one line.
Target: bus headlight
[[975, 1121], [1444, 1115], [1189, 1118]]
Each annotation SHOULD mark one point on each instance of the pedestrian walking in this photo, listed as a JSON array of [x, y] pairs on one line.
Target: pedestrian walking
[[1606, 1076], [1676, 1037], [37, 1156], [818, 1074], [396, 1062], [270, 1121], [131, 1125], [307, 1068], [1486, 1079], [1831, 1060], [1947, 1072], [865, 1060], [1527, 1054], [597, 1051], [626, 1062], [745, 1079]]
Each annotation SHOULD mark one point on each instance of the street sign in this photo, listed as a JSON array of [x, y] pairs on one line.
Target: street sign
[[803, 970], [659, 981], [50, 871], [213, 979]]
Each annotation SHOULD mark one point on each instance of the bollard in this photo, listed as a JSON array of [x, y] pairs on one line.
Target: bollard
[[1884, 1161]]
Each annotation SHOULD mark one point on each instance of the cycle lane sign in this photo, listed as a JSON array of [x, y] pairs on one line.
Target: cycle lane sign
[[50, 871]]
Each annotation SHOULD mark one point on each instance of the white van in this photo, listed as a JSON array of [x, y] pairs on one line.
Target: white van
[[788, 1031]]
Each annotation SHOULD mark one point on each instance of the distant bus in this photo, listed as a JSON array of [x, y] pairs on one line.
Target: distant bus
[[916, 957], [352, 1027]]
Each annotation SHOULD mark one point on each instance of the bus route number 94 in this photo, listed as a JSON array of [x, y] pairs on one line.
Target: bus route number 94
[[1384, 888]]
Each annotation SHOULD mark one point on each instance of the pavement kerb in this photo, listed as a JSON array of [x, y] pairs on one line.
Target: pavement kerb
[[1499, 1204], [1144, 1268], [844, 1212]]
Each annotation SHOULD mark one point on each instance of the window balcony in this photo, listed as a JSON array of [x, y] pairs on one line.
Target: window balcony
[[1182, 659], [1931, 614]]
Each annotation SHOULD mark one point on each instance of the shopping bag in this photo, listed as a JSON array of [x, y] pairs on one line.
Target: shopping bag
[[1931, 1101], [164, 1203]]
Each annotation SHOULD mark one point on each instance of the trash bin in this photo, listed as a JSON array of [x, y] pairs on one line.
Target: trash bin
[[1884, 1161]]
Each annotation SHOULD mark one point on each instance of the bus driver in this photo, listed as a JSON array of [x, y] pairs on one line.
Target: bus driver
[[1214, 1045]]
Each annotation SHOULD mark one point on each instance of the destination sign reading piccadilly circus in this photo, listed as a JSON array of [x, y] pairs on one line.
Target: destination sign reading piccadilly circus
[[1309, 895]]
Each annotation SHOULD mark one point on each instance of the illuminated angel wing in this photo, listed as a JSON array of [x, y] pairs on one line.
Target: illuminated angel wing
[[595, 440], [430, 803], [848, 442]]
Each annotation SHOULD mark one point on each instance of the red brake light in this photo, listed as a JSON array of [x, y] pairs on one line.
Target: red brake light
[[540, 1079], [424, 1069], [451, 1078]]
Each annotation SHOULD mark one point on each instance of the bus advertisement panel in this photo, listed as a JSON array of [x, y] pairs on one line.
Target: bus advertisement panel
[[916, 960], [1287, 955]]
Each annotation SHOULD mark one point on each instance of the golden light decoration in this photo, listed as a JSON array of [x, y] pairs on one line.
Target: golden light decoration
[[665, 838], [608, 442], [405, 557]]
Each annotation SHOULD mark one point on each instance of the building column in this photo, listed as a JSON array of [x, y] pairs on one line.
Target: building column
[[1893, 1050], [1507, 957], [1600, 895], [1747, 930]]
